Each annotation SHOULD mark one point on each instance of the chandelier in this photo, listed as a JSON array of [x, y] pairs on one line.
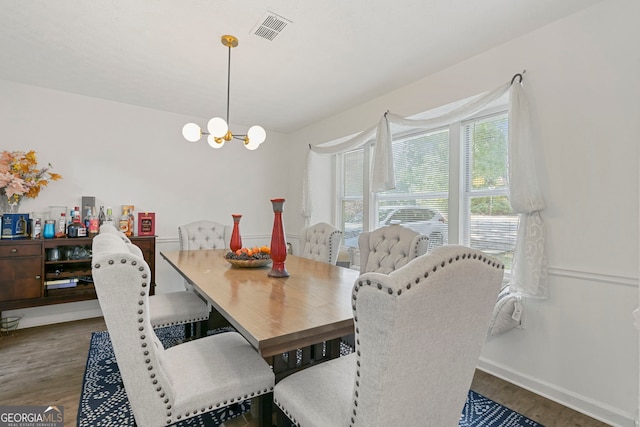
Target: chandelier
[[218, 128]]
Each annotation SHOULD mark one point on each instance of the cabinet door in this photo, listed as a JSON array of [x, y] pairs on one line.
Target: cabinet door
[[20, 278]]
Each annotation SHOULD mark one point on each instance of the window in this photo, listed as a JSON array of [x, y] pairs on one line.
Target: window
[[489, 222], [420, 199], [352, 206], [451, 185]]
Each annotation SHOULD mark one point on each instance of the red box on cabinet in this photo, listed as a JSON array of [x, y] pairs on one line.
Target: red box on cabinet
[[146, 224]]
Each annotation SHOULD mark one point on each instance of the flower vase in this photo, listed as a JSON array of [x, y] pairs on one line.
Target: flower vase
[[236, 240], [278, 242], [9, 206]]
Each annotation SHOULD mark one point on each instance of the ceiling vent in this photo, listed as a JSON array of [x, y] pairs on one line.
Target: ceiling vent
[[270, 25]]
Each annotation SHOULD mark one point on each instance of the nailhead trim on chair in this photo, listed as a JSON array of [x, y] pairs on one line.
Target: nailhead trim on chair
[[316, 242], [389, 291], [330, 239], [293, 420], [186, 321], [143, 337], [145, 353], [417, 245]]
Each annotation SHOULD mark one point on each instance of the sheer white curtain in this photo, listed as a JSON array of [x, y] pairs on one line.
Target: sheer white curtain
[[529, 270]]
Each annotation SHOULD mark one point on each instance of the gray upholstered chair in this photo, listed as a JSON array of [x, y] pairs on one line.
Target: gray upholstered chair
[[205, 234], [388, 248], [419, 333], [320, 242], [168, 385], [172, 308]]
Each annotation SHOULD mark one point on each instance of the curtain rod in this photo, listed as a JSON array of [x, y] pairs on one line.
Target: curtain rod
[[518, 75]]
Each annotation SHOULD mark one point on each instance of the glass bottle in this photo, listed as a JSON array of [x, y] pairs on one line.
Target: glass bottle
[[72, 213], [36, 233], [102, 218], [87, 216], [62, 225], [94, 224], [124, 223], [110, 218], [131, 223], [76, 228]]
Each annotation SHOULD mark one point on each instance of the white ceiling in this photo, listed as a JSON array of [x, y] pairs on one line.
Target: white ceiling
[[333, 55]]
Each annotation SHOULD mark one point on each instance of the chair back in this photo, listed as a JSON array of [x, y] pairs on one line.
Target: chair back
[[419, 332], [123, 280], [320, 242], [388, 248], [204, 234]]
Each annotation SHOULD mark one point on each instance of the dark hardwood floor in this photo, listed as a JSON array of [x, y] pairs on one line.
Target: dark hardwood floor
[[45, 365]]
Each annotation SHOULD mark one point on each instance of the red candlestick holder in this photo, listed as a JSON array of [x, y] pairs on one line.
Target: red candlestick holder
[[278, 242], [236, 240]]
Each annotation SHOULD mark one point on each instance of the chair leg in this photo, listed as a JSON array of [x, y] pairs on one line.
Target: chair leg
[[217, 320], [265, 410], [201, 328]]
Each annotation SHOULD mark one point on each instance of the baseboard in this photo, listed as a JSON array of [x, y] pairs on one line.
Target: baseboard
[[47, 315], [595, 409]]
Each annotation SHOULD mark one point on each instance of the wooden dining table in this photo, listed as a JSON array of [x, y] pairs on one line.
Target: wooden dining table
[[294, 321]]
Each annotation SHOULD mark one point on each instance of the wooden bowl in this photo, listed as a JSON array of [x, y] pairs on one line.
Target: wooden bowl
[[248, 263]]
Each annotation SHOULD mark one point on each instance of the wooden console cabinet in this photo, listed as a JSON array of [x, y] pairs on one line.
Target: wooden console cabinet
[[29, 277]]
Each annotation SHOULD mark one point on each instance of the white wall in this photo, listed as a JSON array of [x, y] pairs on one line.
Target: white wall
[[123, 154], [578, 347]]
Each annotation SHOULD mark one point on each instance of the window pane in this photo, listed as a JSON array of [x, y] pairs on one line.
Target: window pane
[[420, 199], [353, 173], [487, 141], [352, 214], [352, 202], [426, 216], [421, 164], [490, 223], [493, 227]]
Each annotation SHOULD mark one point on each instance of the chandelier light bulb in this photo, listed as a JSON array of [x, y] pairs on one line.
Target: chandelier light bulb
[[218, 127], [256, 134], [191, 132], [251, 145], [211, 140]]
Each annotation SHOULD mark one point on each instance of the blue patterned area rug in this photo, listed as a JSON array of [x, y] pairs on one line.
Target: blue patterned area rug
[[104, 402]]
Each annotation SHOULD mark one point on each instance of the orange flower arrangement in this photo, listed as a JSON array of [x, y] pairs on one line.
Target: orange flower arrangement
[[20, 176]]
